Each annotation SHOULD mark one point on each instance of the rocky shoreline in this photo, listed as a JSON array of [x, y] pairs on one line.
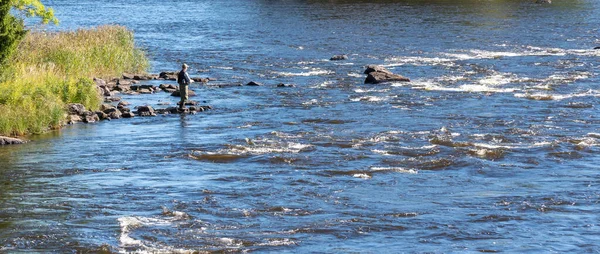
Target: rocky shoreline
[[130, 84]]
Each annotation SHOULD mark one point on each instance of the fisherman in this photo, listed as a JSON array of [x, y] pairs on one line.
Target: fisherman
[[183, 79]]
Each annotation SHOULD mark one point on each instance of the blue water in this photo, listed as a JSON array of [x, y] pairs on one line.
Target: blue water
[[493, 146]]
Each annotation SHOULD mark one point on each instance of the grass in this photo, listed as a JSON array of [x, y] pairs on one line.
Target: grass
[[50, 70]]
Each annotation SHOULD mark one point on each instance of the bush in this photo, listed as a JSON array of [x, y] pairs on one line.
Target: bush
[[50, 70]]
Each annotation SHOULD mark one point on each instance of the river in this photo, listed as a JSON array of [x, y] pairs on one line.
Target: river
[[493, 146]]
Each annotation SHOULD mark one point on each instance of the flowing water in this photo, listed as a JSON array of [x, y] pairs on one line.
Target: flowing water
[[493, 146]]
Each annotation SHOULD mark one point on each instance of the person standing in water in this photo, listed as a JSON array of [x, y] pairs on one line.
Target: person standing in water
[[183, 79]]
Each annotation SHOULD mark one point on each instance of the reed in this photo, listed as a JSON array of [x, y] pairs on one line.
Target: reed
[[50, 70]]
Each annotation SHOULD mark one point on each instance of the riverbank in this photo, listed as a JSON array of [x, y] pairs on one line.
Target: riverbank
[[51, 70]]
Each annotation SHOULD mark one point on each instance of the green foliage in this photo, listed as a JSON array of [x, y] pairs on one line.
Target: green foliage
[[12, 31], [35, 8], [50, 70]]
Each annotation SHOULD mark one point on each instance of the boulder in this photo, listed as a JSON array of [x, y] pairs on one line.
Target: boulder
[[89, 117], [127, 115], [112, 99], [101, 115], [145, 111], [252, 83], [380, 77], [142, 77], [168, 75], [71, 119], [123, 88], [123, 109], [75, 108], [106, 106], [177, 94], [376, 68], [285, 85], [10, 141], [124, 103], [203, 80], [100, 82], [123, 82], [113, 113], [104, 91], [338, 58]]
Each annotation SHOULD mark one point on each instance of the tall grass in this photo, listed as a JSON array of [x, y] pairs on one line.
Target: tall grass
[[50, 70]]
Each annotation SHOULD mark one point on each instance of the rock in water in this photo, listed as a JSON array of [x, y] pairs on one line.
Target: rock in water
[[145, 111], [376, 68], [380, 77], [378, 74], [10, 141], [338, 58], [252, 83]]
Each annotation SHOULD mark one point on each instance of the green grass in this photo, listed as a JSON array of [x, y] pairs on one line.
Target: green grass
[[50, 70]]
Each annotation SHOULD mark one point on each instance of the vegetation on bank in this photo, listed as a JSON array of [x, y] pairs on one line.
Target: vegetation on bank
[[49, 70]]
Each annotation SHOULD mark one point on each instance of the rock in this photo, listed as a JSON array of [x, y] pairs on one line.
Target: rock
[[380, 77], [203, 80], [75, 108], [113, 113], [123, 82], [123, 88], [104, 90], [11, 141], [168, 75], [376, 68], [89, 117], [124, 109], [285, 85], [127, 115], [252, 83], [338, 58], [124, 103], [177, 94], [167, 86], [100, 82], [145, 111], [142, 77], [101, 115], [71, 119], [112, 99], [128, 76]]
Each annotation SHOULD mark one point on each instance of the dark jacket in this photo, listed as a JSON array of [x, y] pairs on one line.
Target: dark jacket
[[183, 78]]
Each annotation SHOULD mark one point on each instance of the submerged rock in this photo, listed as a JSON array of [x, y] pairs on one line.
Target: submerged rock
[[338, 58], [11, 141], [285, 85]]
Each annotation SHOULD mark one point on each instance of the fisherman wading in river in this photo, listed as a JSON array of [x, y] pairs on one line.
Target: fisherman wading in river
[[184, 81]]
